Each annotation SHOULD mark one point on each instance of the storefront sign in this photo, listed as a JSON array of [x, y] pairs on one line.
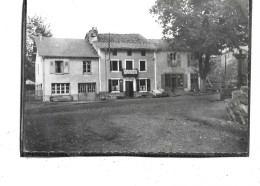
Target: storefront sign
[[130, 73]]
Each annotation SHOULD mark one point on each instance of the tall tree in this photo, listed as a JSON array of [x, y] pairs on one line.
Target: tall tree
[[35, 26], [205, 27]]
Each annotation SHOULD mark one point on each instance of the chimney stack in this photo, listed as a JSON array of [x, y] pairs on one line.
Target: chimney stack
[[92, 35]]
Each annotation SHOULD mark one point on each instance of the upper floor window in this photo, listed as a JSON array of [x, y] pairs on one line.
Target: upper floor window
[[129, 52], [114, 52], [129, 65], [142, 66], [115, 65], [86, 67], [174, 59], [143, 53], [59, 67]]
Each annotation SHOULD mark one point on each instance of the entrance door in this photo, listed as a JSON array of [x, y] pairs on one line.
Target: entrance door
[[129, 89], [194, 82], [87, 91]]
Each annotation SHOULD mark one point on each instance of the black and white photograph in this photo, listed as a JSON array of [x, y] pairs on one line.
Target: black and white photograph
[[155, 78]]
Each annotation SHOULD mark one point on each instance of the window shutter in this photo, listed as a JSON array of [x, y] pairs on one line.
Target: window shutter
[[163, 81], [51, 67], [121, 85], [179, 60], [109, 85], [120, 65], [66, 67], [137, 85], [168, 59], [148, 85], [111, 65], [185, 81]]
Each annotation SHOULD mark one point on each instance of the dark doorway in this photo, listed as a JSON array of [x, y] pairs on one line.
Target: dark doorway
[[129, 89], [194, 82]]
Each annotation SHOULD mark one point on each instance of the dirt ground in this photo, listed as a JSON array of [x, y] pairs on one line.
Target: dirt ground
[[184, 124]]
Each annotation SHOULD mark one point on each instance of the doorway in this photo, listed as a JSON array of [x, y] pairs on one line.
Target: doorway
[[194, 79], [87, 91], [129, 89]]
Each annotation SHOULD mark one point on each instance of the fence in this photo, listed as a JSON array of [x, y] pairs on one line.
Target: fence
[[33, 96]]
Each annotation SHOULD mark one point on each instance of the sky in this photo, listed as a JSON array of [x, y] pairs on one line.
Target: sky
[[74, 18]]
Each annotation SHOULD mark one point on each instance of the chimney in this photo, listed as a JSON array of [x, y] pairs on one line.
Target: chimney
[[92, 35]]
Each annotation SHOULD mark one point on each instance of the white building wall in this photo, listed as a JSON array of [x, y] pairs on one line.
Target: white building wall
[[74, 76]]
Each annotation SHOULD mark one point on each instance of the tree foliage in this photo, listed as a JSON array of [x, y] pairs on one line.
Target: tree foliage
[[205, 27], [35, 26]]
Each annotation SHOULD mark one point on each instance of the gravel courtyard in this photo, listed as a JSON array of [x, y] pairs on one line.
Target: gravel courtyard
[[184, 124]]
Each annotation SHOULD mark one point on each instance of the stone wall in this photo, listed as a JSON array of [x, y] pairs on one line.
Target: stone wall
[[237, 108]]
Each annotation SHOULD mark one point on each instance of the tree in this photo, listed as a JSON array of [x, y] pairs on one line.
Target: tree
[[35, 26], [205, 27]]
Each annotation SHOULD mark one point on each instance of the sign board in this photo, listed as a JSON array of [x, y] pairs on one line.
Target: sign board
[[130, 73]]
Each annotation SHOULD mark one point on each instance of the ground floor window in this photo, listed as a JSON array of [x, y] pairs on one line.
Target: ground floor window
[[174, 80], [87, 87], [60, 88], [115, 85], [142, 85]]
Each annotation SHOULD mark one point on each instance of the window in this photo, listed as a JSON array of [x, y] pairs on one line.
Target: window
[[142, 85], [174, 80], [129, 65], [115, 85], [174, 59], [129, 52], [114, 65], [143, 53], [87, 67], [142, 66], [58, 66], [60, 88], [114, 53]]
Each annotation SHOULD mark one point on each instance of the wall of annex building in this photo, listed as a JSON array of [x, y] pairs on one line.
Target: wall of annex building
[[163, 68]]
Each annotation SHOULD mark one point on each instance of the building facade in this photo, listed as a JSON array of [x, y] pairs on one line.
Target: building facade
[[63, 72], [127, 63], [100, 65], [176, 69]]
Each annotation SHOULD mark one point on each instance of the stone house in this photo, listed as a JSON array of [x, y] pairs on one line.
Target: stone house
[[66, 68], [127, 63]]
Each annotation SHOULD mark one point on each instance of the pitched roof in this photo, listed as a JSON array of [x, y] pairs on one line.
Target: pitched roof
[[124, 41], [160, 44], [163, 44], [59, 47]]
